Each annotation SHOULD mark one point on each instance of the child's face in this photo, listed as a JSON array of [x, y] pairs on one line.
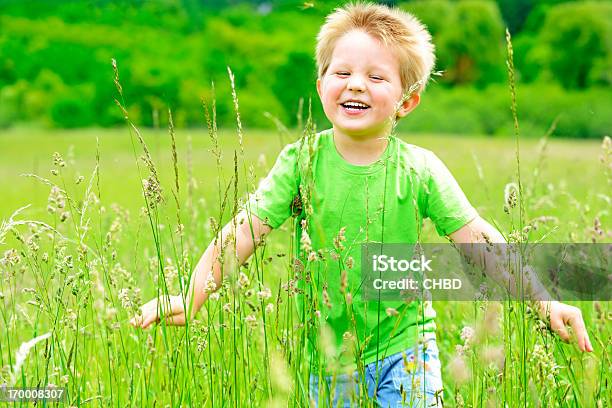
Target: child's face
[[361, 90]]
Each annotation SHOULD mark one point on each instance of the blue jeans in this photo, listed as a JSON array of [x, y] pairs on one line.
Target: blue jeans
[[405, 379]]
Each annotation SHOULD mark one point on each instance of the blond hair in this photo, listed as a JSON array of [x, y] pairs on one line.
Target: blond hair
[[394, 28]]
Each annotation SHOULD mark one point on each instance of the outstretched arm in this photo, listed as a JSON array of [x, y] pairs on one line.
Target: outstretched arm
[[561, 315], [206, 277]]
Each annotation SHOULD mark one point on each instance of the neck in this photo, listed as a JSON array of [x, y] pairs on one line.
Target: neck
[[360, 151]]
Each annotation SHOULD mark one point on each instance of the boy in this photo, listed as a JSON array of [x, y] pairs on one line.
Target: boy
[[358, 183]]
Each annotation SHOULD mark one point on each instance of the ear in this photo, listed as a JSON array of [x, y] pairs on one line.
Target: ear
[[319, 87], [408, 105]]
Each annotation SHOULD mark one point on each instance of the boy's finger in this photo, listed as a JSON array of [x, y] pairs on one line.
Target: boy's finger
[[557, 326], [579, 328], [150, 319], [176, 320], [135, 321]]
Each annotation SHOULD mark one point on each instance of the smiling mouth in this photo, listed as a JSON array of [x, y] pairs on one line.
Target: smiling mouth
[[355, 105]]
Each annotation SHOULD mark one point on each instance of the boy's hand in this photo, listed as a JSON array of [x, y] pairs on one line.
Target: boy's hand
[[247, 233], [170, 308], [560, 316]]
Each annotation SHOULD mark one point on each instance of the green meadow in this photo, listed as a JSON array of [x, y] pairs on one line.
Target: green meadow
[[565, 178], [85, 254]]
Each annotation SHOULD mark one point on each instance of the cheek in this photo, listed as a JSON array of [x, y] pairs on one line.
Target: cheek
[[388, 101], [329, 100], [331, 90]]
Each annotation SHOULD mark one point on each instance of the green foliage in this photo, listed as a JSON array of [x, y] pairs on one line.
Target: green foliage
[[294, 80], [477, 46], [573, 46], [12, 102], [437, 15], [70, 112], [584, 32], [171, 15], [515, 12], [581, 114], [160, 69], [469, 36], [171, 53], [463, 110]]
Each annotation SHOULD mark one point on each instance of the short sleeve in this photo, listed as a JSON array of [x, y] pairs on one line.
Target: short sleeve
[[446, 204], [274, 196]]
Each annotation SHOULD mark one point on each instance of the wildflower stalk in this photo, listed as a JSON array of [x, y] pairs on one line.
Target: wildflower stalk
[[181, 247], [211, 123], [152, 194], [521, 304]]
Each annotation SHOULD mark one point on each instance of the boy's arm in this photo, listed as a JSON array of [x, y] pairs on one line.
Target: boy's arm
[[206, 277], [561, 315]]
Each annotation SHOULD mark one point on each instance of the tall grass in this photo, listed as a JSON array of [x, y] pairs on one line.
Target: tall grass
[[72, 280]]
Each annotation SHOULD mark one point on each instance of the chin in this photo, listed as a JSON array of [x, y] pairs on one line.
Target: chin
[[361, 129], [356, 131]]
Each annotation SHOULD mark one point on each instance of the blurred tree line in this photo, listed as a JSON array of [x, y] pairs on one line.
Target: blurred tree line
[[55, 62]]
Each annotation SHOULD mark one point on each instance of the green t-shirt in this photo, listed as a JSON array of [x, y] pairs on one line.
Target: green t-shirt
[[384, 202]]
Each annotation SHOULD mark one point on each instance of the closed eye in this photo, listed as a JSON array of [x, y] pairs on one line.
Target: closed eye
[[377, 77], [342, 73]]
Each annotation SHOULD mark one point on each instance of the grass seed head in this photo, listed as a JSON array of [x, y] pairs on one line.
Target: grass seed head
[[467, 335], [64, 216], [494, 356], [11, 257], [343, 281], [459, 370], [391, 312], [243, 281], [305, 241], [350, 262], [264, 294], [326, 300], [547, 368], [339, 239], [153, 191], [22, 354], [58, 160], [510, 197], [251, 320], [209, 284]]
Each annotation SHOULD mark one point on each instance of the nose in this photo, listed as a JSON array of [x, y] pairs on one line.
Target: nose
[[356, 84]]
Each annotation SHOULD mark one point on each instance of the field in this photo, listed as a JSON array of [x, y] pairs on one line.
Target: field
[[94, 254]]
